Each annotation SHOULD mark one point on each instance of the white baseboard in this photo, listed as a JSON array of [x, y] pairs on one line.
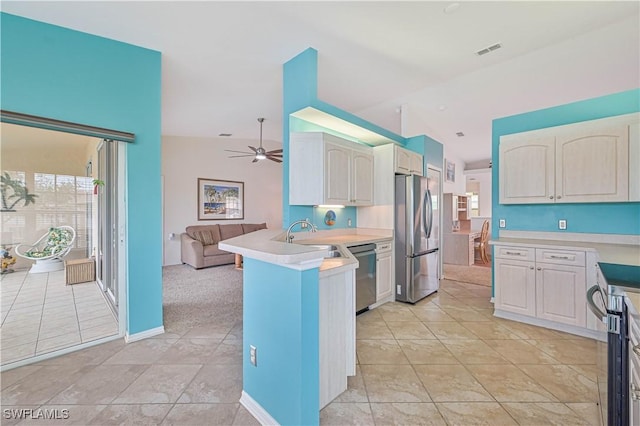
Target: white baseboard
[[579, 331], [143, 334], [256, 410]]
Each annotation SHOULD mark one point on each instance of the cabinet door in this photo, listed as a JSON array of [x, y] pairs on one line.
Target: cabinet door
[[416, 164], [384, 277], [515, 286], [593, 166], [337, 174], [527, 171], [561, 294], [403, 161], [362, 179]]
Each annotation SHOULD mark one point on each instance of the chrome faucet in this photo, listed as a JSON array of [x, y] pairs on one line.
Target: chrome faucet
[[312, 227]]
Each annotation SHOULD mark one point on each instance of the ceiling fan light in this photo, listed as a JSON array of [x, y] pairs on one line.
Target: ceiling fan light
[[260, 156]]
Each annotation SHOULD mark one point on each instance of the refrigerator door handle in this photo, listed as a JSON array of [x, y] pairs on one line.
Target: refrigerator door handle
[[427, 201]]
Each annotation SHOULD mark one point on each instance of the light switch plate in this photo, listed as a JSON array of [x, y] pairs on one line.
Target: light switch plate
[[562, 224], [253, 355], [503, 223]]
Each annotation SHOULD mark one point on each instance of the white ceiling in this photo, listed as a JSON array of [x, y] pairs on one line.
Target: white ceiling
[[222, 61]]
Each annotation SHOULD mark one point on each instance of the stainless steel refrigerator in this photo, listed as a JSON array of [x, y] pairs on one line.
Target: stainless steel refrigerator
[[417, 235]]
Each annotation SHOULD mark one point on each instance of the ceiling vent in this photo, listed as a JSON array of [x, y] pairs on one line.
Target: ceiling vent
[[225, 134], [460, 134], [489, 49]]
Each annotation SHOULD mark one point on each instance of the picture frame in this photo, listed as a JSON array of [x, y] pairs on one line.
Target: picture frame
[[450, 171], [220, 199]]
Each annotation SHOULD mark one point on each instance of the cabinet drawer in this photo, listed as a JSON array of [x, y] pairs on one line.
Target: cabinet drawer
[[510, 252], [383, 247], [564, 257]]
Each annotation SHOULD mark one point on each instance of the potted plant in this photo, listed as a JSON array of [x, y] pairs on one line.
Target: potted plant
[[13, 191]]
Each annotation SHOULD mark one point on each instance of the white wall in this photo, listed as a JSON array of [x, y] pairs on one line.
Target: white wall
[[186, 159], [483, 180]]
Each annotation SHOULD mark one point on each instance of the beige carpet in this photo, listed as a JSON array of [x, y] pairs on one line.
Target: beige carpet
[[469, 274], [201, 298]]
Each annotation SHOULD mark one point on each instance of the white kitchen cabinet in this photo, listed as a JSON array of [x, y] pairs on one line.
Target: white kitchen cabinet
[[384, 271], [592, 165], [326, 169], [545, 284], [515, 289], [561, 293], [578, 163], [407, 162]]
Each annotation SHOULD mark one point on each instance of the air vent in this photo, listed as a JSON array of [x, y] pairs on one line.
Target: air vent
[[489, 49], [460, 134], [225, 134]]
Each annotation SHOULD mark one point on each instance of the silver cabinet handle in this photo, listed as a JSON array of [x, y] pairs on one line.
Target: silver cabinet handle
[[559, 196], [551, 197], [560, 257], [539, 268], [636, 350], [531, 267], [512, 253]]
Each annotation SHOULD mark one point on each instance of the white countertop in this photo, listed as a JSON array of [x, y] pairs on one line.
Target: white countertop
[[625, 254], [268, 245]]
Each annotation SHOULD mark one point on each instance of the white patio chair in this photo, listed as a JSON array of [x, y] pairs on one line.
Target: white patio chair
[[49, 250]]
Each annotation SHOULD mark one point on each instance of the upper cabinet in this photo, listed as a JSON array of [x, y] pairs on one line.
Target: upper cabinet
[[325, 169], [407, 162], [579, 163]]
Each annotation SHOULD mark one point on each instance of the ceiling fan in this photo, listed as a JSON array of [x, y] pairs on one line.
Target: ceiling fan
[[260, 153]]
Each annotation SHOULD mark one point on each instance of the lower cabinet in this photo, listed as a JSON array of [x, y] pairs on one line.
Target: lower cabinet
[[515, 286], [546, 284], [384, 271]]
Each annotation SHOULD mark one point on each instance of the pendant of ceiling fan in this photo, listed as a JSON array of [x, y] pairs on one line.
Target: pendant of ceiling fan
[[260, 153]]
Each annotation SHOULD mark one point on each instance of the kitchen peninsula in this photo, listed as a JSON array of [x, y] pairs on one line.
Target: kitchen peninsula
[[298, 321]]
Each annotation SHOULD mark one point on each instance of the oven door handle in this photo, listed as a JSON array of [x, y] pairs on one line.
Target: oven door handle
[[592, 304]]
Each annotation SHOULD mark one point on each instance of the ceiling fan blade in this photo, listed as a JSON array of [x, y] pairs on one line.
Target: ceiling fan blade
[[274, 159], [274, 151], [253, 149], [255, 160], [274, 155], [240, 152], [237, 156]]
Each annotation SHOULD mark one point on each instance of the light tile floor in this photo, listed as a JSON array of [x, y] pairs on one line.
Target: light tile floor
[[445, 360], [41, 314]]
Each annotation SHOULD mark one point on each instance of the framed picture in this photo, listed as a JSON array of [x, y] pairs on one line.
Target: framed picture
[[450, 175], [220, 199]]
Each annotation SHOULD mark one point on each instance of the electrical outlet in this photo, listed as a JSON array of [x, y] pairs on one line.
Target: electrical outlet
[[349, 222], [562, 224], [303, 225], [502, 223], [398, 289], [253, 355]]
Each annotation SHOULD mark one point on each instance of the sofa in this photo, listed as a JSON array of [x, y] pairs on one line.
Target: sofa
[[199, 243]]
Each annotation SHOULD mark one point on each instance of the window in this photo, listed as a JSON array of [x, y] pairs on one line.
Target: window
[[475, 208]]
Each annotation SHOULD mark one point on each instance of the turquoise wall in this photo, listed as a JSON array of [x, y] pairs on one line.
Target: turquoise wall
[[280, 319], [604, 218], [67, 75], [300, 90]]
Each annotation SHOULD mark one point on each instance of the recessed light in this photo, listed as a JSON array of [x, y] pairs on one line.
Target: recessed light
[[442, 107], [224, 134], [489, 49], [460, 134]]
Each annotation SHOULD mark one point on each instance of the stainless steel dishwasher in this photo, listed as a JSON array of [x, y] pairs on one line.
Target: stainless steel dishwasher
[[365, 276]]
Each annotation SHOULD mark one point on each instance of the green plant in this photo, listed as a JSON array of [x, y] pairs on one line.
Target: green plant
[[19, 193], [98, 182]]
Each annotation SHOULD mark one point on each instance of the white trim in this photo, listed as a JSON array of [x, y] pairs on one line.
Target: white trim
[[123, 253], [62, 351], [143, 334], [256, 410], [579, 331], [573, 237]]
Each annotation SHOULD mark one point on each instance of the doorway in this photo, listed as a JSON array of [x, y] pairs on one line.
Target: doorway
[[44, 314]]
